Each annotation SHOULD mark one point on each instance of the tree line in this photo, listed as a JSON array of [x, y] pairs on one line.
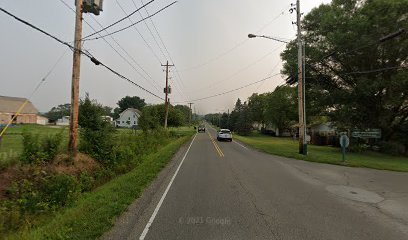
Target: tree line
[[152, 115]]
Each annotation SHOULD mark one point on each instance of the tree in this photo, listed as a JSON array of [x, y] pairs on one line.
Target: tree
[[96, 133], [131, 102], [257, 106], [185, 110], [153, 117], [58, 112], [342, 46], [243, 125], [282, 107]]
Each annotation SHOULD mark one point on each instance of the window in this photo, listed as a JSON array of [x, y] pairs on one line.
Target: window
[[129, 118]]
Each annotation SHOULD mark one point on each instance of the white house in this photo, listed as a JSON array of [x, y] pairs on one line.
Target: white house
[[128, 118], [42, 120], [64, 121]]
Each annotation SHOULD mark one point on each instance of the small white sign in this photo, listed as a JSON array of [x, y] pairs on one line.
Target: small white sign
[[344, 141]]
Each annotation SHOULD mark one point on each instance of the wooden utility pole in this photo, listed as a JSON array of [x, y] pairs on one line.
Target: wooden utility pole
[[191, 113], [166, 92], [301, 89], [73, 126]]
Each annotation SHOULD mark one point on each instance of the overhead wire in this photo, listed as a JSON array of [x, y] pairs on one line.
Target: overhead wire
[[120, 46], [31, 95], [239, 44], [233, 90], [127, 27], [213, 84], [177, 84], [118, 21], [140, 34], [87, 54], [148, 28]]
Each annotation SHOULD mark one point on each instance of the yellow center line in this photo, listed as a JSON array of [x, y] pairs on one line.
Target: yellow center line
[[217, 148]]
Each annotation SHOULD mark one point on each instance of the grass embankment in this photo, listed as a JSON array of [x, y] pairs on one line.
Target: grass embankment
[[289, 148], [94, 213]]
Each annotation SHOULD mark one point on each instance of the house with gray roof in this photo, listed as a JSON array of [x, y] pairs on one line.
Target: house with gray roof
[[128, 118], [9, 107]]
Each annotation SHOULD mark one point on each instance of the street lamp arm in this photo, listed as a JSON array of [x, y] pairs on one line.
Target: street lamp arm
[[268, 37], [272, 38]]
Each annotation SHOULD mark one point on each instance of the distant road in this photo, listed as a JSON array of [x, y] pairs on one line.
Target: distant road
[[224, 190]]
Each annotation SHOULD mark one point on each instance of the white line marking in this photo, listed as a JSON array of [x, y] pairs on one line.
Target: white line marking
[[240, 144], [156, 210]]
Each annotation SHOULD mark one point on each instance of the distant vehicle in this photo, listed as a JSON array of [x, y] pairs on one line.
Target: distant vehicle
[[201, 128], [224, 134]]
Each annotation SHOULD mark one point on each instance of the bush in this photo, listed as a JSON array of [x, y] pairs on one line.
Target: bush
[[96, 133], [59, 190], [37, 150], [393, 148]]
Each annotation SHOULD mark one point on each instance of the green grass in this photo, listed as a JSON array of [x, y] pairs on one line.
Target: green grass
[[323, 154], [185, 130], [12, 144], [95, 212]]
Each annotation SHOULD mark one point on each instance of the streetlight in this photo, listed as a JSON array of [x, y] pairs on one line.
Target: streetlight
[[301, 83], [268, 37]]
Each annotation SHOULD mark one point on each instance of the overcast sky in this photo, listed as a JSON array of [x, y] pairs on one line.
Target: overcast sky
[[206, 40]]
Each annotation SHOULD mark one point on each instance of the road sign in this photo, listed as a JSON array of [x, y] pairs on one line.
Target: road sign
[[371, 133], [344, 141]]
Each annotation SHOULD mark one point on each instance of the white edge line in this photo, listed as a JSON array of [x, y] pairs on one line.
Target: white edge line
[[240, 144], [156, 210]]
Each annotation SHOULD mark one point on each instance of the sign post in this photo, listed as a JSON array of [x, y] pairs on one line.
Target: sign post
[[344, 143]]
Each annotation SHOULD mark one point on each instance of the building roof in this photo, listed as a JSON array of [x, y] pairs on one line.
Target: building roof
[[12, 104], [133, 110]]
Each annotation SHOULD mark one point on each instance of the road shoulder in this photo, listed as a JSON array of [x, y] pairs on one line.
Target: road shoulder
[[131, 223]]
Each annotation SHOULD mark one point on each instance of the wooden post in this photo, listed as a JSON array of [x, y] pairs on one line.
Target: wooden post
[[73, 126]]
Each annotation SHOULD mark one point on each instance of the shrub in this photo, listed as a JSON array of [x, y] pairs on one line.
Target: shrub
[[393, 148], [96, 133], [59, 190], [37, 150]]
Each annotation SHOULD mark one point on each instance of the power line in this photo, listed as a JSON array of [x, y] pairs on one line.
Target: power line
[[165, 48], [239, 44], [140, 34], [379, 41], [122, 29], [114, 49], [87, 54], [120, 20], [233, 90], [376, 70], [150, 31], [243, 69]]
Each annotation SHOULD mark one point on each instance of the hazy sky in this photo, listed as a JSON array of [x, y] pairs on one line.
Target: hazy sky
[[206, 39]]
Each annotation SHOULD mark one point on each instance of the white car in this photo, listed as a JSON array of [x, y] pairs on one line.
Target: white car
[[224, 134]]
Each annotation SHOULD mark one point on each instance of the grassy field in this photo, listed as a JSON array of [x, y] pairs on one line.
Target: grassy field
[[12, 143], [323, 154], [94, 213]]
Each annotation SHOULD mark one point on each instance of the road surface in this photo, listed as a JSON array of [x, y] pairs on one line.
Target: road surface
[[225, 190]]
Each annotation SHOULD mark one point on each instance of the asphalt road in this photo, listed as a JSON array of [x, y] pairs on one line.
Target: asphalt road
[[224, 190]]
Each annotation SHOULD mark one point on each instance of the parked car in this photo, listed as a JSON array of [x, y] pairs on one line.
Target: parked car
[[224, 134], [201, 128]]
